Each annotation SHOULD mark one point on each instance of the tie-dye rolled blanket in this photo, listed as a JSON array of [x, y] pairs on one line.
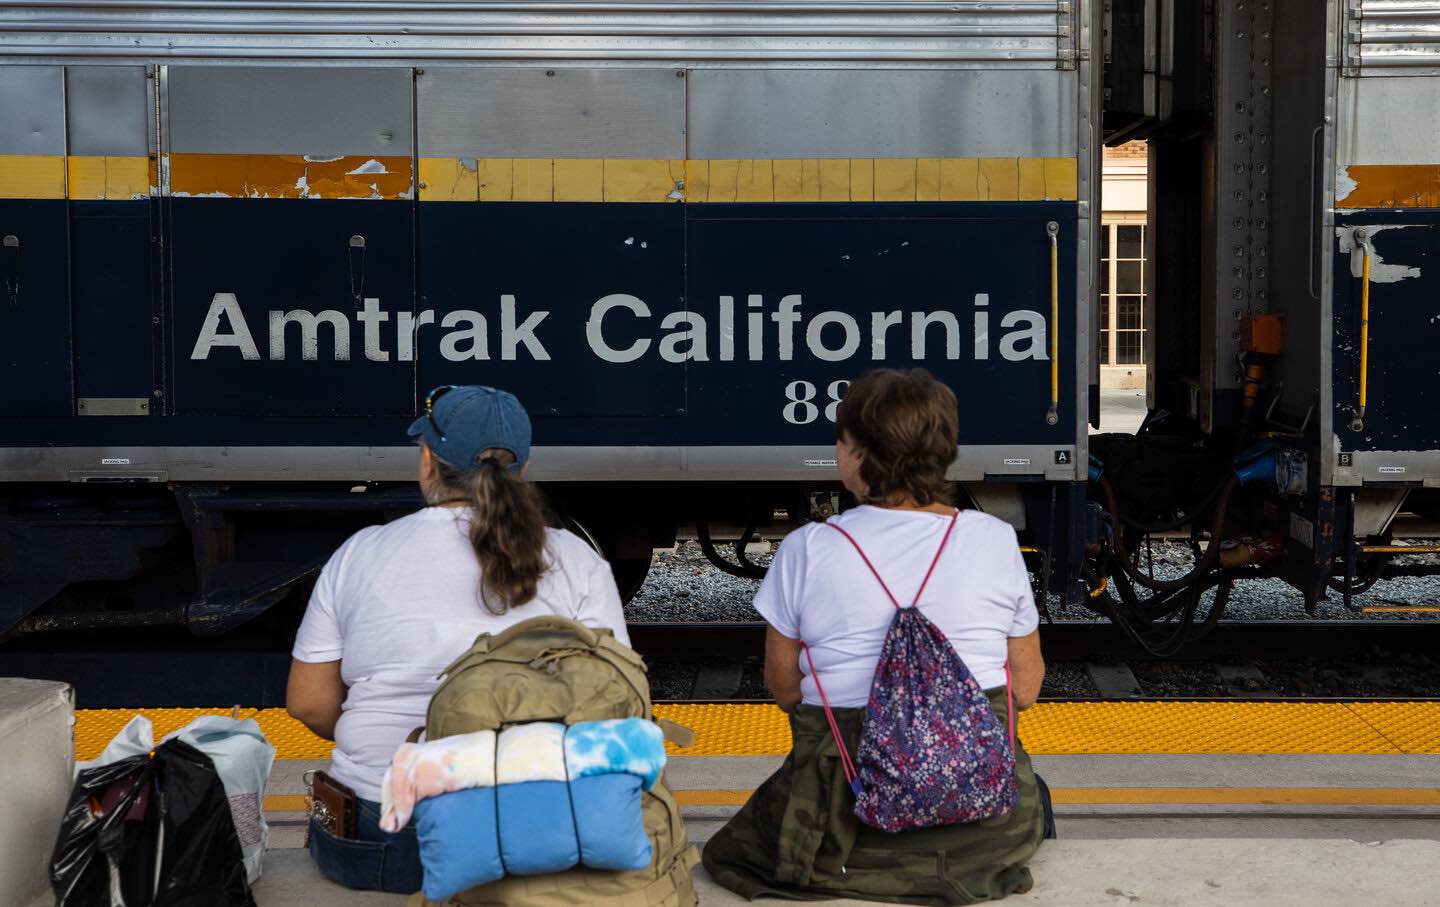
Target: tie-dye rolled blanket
[[535, 798]]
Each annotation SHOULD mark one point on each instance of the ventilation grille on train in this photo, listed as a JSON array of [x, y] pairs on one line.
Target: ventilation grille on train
[[1392, 38], [962, 33]]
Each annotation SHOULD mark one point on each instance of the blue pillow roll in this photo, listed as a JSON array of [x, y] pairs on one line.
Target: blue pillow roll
[[537, 827], [611, 822], [459, 841]]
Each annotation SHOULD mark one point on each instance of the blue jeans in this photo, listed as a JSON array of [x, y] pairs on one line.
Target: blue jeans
[[374, 860]]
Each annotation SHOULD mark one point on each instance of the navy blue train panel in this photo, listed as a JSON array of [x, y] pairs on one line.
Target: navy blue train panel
[[815, 294], [292, 308], [113, 295], [622, 324], [742, 324], [1404, 370], [35, 345], [515, 294]]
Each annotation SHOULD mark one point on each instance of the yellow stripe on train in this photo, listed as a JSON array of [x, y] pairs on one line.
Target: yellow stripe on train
[[749, 180], [545, 179]]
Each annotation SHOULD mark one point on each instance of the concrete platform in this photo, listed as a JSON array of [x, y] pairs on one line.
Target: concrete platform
[[1274, 830], [1155, 872]]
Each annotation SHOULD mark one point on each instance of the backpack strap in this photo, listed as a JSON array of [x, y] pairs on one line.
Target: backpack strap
[[847, 765], [1009, 706], [876, 573]]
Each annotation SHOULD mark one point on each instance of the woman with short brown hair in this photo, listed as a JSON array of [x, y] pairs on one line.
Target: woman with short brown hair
[[797, 836]]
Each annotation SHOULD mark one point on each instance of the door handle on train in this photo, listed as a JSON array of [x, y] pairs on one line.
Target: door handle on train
[[357, 269], [10, 267], [1362, 238], [1052, 416]]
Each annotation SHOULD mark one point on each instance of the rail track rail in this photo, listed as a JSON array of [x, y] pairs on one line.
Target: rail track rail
[[1088, 639], [120, 670]]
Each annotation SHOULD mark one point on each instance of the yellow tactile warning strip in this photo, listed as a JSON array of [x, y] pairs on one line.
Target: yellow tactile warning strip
[[1389, 186], [757, 180], [1071, 728]]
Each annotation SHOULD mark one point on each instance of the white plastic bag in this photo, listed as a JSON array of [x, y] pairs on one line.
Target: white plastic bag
[[243, 759], [135, 739]]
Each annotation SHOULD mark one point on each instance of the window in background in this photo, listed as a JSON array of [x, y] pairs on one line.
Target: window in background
[[1122, 294]]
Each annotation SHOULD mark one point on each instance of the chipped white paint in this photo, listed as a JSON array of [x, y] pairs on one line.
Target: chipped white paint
[[371, 167], [1380, 271], [303, 184], [1344, 185], [322, 158]]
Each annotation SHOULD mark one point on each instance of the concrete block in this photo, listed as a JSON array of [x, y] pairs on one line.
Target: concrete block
[[37, 750]]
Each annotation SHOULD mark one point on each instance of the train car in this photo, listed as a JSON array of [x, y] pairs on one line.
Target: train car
[[1294, 294], [242, 241]]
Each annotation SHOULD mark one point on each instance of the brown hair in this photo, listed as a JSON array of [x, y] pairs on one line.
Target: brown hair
[[507, 528], [907, 423]]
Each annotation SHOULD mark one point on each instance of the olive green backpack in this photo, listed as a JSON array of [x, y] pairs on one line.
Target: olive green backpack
[[554, 669]]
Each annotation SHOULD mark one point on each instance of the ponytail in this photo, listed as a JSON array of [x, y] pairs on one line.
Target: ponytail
[[507, 528]]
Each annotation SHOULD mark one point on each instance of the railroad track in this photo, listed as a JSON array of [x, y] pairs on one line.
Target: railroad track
[[151, 670], [1082, 640]]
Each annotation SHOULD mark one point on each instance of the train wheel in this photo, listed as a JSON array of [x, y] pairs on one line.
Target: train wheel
[[629, 569]]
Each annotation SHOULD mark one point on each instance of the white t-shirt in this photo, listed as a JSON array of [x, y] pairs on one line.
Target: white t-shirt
[[396, 604], [819, 591]]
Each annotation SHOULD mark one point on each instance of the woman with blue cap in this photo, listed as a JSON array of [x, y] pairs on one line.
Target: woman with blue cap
[[397, 603]]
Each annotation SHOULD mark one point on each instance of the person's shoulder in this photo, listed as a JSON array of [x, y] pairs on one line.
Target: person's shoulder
[[805, 536]]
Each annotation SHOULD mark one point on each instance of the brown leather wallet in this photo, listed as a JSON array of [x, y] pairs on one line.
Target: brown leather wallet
[[334, 806]]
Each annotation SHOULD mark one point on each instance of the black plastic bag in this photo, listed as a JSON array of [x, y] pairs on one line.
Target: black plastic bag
[[150, 832]]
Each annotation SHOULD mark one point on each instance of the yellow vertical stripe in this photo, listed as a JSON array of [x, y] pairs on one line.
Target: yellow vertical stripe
[[754, 181], [578, 180], [927, 180], [449, 180], [697, 181], [895, 180], [862, 180], [108, 177], [496, 180], [999, 178], [960, 180], [1031, 177], [32, 176], [1062, 178], [834, 180], [644, 180]]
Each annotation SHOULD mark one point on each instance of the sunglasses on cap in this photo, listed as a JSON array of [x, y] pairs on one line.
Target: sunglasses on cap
[[430, 400]]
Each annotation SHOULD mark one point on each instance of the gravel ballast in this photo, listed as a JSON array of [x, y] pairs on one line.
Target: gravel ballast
[[684, 586]]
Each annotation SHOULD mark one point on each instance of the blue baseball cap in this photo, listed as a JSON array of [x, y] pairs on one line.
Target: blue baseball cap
[[458, 423]]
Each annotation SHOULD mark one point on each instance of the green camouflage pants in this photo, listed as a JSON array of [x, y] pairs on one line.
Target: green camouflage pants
[[798, 838]]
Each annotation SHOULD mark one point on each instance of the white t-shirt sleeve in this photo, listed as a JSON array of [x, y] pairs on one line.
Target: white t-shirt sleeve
[[778, 597], [319, 638], [1027, 618], [600, 606]]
